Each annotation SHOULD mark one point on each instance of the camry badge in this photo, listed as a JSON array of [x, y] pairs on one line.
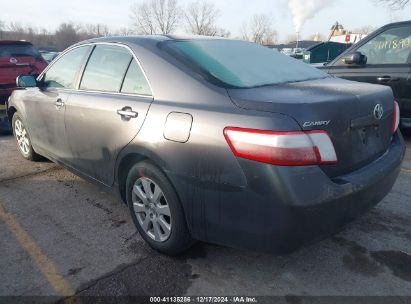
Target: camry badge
[[378, 111], [309, 124], [13, 60]]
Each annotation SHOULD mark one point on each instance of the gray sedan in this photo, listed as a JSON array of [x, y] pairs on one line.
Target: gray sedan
[[216, 140]]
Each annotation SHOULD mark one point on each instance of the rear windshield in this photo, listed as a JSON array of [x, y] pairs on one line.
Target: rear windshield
[[18, 50], [240, 64]]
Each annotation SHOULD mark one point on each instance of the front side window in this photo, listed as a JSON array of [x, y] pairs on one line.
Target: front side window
[[135, 82], [63, 73], [240, 64], [390, 47], [106, 68]]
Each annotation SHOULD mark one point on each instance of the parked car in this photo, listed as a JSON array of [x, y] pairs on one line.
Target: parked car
[[16, 58], [384, 57], [297, 54], [216, 140], [324, 52], [49, 56]]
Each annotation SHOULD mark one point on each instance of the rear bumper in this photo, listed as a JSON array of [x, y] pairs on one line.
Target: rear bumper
[[350, 197], [283, 208], [6, 90]]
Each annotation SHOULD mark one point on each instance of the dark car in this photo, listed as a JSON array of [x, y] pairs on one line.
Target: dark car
[[49, 56], [384, 57], [324, 52], [216, 140], [16, 58]]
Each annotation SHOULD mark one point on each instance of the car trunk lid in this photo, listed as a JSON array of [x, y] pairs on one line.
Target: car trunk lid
[[342, 108]]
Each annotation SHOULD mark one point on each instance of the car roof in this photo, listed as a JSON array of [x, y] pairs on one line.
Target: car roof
[[146, 39], [408, 22], [18, 42]]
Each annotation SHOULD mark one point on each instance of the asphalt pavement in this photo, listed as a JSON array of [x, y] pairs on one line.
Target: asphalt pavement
[[60, 236]]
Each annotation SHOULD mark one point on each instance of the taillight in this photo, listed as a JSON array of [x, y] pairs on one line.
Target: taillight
[[396, 117], [282, 148]]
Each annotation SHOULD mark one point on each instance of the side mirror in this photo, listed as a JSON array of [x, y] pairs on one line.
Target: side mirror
[[26, 81], [355, 58]]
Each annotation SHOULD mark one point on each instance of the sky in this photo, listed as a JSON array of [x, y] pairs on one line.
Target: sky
[[233, 13]]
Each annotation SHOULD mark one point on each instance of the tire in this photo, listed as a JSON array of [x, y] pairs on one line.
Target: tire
[[23, 139], [156, 210]]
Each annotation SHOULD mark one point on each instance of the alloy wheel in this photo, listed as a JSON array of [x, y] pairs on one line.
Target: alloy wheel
[[22, 137], [152, 210]]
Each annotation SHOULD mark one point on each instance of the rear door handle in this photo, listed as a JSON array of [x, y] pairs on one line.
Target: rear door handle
[[127, 112], [387, 79], [59, 103]]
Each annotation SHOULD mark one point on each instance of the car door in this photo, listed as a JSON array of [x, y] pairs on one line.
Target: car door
[[388, 55], [107, 111], [45, 104]]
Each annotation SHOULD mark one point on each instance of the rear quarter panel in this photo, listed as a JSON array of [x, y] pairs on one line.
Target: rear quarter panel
[[204, 171]]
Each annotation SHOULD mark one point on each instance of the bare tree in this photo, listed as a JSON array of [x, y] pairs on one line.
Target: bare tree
[[143, 19], [94, 30], [1, 29], [124, 31], [66, 35], [260, 30], [221, 32], [200, 17], [156, 16], [43, 39], [394, 4], [20, 32], [15, 27]]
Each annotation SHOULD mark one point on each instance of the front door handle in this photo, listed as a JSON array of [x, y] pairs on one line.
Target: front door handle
[[59, 103], [127, 112], [386, 79]]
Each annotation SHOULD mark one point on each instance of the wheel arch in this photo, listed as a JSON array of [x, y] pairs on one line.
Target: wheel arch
[[10, 113], [127, 159], [136, 153], [123, 168]]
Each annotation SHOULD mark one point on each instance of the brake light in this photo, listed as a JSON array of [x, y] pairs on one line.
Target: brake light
[[396, 117], [282, 148]]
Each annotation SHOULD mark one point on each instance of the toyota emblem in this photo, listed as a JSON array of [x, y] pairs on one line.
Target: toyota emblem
[[378, 111], [13, 60]]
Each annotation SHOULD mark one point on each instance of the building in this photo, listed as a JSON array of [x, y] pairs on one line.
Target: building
[[339, 34]]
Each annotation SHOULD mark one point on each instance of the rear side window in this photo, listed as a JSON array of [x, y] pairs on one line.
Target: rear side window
[[135, 82], [106, 68], [63, 73]]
